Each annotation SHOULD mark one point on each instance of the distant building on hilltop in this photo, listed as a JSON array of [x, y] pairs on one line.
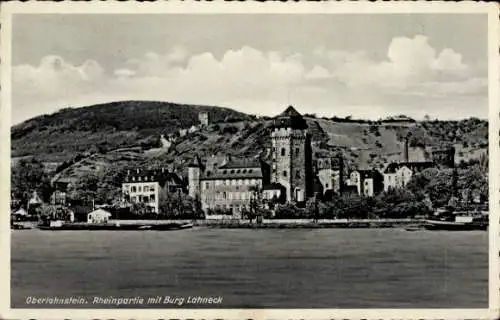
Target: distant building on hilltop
[[203, 118], [150, 187]]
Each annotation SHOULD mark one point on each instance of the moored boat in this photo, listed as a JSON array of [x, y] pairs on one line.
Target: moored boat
[[449, 220]]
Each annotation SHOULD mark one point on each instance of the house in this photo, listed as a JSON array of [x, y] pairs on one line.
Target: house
[[397, 175], [61, 187], [34, 200], [225, 183], [150, 187], [367, 182], [328, 171], [98, 216]]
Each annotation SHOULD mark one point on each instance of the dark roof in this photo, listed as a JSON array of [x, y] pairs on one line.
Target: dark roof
[[369, 174], [290, 118], [273, 186], [153, 176], [233, 173], [413, 166], [241, 163]]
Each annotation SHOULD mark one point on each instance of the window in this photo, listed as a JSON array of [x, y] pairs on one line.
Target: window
[[152, 198], [326, 185], [297, 151], [139, 188], [207, 185], [133, 189], [283, 152], [297, 174], [284, 173], [224, 195]]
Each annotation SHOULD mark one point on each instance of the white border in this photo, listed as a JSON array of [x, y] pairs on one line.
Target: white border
[[7, 9]]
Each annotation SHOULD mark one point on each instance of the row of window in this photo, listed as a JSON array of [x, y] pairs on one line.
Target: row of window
[[144, 188], [233, 182], [283, 151], [141, 178], [144, 199], [284, 173]]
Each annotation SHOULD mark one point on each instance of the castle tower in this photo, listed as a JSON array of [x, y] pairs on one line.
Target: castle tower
[[194, 173], [291, 155]]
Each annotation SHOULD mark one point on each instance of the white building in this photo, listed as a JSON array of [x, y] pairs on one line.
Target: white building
[[98, 216], [150, 187], [397, 175]]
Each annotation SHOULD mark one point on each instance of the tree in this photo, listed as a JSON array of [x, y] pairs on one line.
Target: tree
[[27, 176], [437, 184]]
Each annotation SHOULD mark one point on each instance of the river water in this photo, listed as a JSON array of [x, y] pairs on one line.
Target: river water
[[294, 268]]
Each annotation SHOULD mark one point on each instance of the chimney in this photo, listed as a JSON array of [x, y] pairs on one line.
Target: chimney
[[405, 154]]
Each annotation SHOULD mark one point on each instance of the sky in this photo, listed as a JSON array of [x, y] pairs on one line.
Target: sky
[[363, 65]]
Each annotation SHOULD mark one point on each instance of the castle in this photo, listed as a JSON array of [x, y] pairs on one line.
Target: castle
[[226, 186]]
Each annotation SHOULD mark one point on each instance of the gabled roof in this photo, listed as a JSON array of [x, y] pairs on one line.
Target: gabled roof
[[241, 163], [290, 118], [290, 112], [152, 175], [233, 173], [413, 166]]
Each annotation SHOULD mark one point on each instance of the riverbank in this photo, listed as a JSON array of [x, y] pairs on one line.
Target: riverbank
[[246, 224]]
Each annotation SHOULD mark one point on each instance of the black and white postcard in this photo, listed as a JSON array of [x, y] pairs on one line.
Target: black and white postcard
[[250, 160]]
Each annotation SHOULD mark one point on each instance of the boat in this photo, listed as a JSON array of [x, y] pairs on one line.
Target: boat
[[449, 220], [19, 226]]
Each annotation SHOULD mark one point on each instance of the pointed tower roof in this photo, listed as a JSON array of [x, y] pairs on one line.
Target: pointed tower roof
[[290, 118], [290, 112]]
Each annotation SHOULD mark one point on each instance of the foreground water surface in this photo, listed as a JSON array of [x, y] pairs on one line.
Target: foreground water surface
[[295, 268]]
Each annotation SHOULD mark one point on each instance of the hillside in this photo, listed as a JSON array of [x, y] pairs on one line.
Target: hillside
[[111, 137], [60, 136]]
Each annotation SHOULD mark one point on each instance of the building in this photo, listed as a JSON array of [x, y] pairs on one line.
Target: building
[[226, 184], [291, 155], [397, 175], [328, 171], [203, 118], [443, 157], [98, 216], [62, 186], [150, 187], [367, 182]]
